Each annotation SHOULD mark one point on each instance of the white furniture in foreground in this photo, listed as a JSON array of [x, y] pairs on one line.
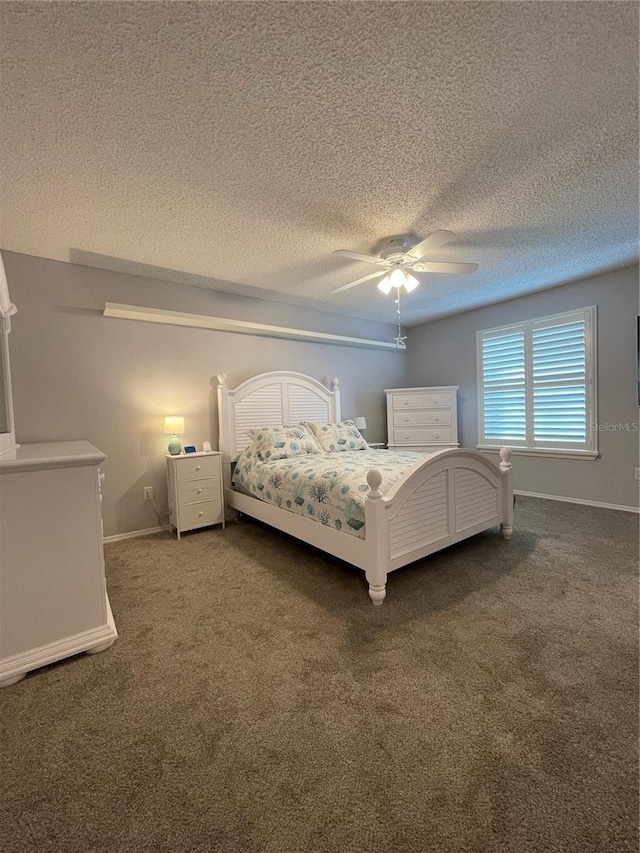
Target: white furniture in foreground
[[446, 497], [53, 597], [422, 419], [194, 484]]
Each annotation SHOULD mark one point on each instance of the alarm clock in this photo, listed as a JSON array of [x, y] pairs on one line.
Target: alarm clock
[[190, 448]]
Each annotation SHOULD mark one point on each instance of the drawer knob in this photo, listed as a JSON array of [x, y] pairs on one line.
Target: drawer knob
[[437, 435], [436, 417], [406, 420], [198, 467], [198, 492], [102, 476], [407, 435], [435, 400], [406, 402], [200, 513]]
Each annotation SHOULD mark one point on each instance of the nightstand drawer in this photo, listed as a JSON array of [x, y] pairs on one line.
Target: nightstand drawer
[[190, 491], [411, 418], [200, 514], [418, 435], [199, 466], [421, 401]]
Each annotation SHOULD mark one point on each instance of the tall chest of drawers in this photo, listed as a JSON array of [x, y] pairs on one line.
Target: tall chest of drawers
[[422, 419], [194, 484]]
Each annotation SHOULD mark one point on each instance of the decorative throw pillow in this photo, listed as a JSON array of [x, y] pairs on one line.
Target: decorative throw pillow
[[281, 442], [342, 436]]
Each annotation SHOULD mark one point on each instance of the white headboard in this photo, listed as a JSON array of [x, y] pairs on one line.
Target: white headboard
[[270, 399]]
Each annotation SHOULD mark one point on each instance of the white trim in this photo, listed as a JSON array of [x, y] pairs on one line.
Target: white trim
[[566, 500], [134, 534], [243, 327], [564, 453]]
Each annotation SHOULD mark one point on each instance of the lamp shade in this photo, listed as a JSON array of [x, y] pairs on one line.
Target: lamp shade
[[360, 423], [398, 278], [174, 425]]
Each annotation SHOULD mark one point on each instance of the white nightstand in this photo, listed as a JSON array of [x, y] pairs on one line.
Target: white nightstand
[[194, 484]]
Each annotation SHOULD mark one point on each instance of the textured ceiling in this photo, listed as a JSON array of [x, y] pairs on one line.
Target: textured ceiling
[[235, 145]]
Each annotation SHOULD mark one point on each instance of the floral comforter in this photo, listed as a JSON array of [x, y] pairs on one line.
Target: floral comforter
[[329, 488]]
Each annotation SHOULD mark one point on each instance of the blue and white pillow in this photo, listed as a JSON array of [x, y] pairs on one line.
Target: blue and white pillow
[[281, 442], [333, 437]]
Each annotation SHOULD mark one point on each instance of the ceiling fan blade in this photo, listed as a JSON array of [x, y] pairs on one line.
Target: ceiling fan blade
[[359, 256], [437, 239], [359, 281], [454, 268]]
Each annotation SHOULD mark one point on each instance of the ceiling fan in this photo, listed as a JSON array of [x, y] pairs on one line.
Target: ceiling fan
[[396, 261]]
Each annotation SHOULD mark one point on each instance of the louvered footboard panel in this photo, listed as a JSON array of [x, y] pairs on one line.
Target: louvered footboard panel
[[424, 517], [476, 499]]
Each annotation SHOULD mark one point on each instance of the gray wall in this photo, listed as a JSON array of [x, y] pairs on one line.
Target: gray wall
[[444, 353], [77, 374]]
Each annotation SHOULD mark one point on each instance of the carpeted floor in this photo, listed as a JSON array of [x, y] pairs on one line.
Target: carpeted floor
[[257, 701]]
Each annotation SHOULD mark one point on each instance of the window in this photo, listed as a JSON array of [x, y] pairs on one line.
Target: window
[[536, 385]]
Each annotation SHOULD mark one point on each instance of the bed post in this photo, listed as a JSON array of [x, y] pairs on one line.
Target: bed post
[[506, 527], [334, 386], [225, 437], [376, 537]]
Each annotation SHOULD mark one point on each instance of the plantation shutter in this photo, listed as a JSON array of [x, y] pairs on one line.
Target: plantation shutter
[[559, 367], [537, 384], [504, 384]]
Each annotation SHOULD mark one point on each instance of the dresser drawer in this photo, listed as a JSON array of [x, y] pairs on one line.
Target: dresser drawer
[[200, 514], [421, 401], [421, 435], [421, 418], [190, 491], [199, 466]]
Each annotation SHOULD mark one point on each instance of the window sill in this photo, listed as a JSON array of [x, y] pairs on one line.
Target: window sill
[[584, 455]]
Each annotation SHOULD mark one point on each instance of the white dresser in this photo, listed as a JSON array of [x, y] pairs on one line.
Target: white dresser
[[422, 419], [53, 597], [194, 484]]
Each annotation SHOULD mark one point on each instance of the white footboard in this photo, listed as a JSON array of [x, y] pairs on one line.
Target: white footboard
[[445, 498]]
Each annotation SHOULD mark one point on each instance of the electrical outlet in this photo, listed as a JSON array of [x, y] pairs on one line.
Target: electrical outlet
[[637, 473], [148, 493]]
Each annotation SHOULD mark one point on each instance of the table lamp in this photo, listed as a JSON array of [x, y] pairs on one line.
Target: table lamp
[[173, 426], [360, 423]]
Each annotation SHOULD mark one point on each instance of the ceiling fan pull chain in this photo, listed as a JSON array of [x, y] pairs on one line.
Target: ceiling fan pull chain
[[399, 338]]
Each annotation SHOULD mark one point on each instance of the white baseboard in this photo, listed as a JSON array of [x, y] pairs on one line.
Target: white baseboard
[[134, 534], [577, 501]]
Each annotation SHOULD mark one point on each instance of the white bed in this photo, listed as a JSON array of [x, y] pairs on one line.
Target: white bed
[[401, 526]]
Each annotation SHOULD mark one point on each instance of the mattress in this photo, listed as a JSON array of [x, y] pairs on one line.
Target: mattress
[[329, 488]]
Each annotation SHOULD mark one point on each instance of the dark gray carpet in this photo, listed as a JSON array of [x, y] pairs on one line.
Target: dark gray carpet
[[257, 701]]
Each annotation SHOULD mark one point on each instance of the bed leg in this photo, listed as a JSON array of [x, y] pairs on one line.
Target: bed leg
[[377, 593], [506, 531]]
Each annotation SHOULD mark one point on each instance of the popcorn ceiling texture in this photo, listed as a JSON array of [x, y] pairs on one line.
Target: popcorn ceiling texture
[[236, 145]]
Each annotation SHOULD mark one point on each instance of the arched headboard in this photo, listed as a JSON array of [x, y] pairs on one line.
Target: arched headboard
[[271, 399]]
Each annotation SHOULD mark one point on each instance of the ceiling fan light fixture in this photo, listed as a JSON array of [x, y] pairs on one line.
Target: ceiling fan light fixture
[[397, 278], [410, 282], [385, 285]]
